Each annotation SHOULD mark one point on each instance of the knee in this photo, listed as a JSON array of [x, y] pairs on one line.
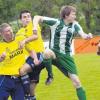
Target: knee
[[76, 83], [75, 80], [49, 54], [21, 72]]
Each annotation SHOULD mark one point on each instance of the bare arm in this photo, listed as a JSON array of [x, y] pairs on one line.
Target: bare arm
[[29, 39], [37, 19], [80, 31], [86, 36]]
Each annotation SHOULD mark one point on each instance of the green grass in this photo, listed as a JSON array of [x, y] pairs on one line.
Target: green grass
[[62, 89]]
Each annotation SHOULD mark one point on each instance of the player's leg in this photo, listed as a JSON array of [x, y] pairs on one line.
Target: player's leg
[[27, 67], [48, 56], [66, 65], [18, 92], [48, 53], [72, 73], [77, 84], [34, 77], [25, 78], [4, 94], [32, 89], [48, 65]]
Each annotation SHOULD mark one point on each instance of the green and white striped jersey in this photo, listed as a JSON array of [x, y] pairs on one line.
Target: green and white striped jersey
[[62, 34]]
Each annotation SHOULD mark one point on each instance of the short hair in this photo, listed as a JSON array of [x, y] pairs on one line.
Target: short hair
[[66, 10], [22, 12], [3, 26]]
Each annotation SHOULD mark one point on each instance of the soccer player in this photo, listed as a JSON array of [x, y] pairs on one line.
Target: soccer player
[[62, 32], [98, 51], [11, 59], [34, 44]]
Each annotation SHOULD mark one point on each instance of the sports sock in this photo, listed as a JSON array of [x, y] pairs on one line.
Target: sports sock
[[30, 98], [48, 64], [81, 93], [26, 84]]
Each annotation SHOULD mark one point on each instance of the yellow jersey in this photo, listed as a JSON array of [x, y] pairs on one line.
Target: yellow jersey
[[15, 57], [36, 45]]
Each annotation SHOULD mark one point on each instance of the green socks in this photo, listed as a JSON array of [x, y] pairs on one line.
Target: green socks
[[81, 93], [48, 65]]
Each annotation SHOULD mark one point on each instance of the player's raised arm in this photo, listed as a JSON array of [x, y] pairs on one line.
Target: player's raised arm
[[36, 20]]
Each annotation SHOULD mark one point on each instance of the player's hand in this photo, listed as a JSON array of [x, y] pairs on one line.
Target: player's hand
[[36, 62], [3, 56], [90, 35], [21, 44]]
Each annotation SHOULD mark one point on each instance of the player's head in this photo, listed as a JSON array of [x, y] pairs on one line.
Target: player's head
[[68, 13], [6, 32], [25, 17]]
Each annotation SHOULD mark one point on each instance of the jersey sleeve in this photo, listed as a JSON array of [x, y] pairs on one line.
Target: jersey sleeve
[[80, 31], [78, 28], [49, 21]]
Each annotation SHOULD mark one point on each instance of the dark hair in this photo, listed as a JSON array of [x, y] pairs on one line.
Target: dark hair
[[23, 11], [66, 10]]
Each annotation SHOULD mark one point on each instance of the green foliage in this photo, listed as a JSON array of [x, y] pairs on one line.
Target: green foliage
[[15, 25], [88, 10]]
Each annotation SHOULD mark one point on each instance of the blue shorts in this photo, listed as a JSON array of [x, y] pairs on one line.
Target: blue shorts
[[29, 60], [11, 86], [34, 75]]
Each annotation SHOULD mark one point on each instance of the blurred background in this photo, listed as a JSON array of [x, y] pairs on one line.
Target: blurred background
[[88, 12]]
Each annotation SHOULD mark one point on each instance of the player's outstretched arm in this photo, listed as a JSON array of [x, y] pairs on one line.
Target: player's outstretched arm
[[86, 36]]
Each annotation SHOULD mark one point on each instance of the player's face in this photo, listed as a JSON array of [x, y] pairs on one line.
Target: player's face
[[71, 17], [26, 18], [7, 34]]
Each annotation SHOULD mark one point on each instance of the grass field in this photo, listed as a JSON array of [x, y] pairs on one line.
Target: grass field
[[61, 89]]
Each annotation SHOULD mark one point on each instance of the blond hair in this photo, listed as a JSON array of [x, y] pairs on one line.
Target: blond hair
[[3, 26]]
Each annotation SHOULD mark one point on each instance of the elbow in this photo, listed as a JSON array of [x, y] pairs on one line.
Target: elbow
[[35, 37], [38, 18]]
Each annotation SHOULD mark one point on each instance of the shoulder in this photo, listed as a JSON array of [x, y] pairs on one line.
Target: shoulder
[[19, 37], [76, 24], [21, 31]]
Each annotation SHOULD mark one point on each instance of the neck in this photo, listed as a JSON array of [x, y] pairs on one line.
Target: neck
[[66, 21]]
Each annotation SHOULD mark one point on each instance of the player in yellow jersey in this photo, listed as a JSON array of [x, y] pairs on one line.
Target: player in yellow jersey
[[34, 44], [11, 59]]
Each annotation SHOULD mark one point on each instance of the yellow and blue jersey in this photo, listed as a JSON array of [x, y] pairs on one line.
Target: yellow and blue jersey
[[15, 57]]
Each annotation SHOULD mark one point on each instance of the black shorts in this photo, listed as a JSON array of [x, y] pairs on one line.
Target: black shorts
[[35, 74]]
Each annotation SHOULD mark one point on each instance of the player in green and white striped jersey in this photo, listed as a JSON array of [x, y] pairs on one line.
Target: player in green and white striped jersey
[[62, 32]]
